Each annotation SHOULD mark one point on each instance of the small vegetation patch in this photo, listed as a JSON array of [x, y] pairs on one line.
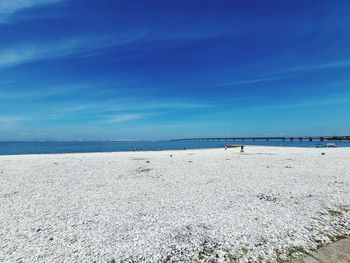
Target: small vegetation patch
[[209, 255], [339, 210], [334, 212], [297, 251], [345, 208], [287, 256]]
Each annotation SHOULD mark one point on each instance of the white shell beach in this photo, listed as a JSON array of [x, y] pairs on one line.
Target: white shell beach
[[268, 204]]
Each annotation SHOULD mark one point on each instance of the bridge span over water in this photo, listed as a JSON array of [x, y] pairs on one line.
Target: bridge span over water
[[270, 138]]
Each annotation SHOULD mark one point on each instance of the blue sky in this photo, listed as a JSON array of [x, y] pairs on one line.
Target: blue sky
[[133, 70]]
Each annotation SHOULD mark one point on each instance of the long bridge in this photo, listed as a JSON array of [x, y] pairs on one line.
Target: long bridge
[[270, 138]]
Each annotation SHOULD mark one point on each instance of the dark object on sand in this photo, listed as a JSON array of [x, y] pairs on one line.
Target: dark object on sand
[[235, 146], [322, 153]]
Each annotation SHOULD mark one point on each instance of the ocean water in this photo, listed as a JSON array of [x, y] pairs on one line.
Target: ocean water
[[51, 147]]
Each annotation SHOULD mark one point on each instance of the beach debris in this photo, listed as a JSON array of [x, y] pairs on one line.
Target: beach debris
[[233, 146], [322, 153], [211, 181], [288, 166], [143, 170], [171, 155], [10, 194], [267, 197]]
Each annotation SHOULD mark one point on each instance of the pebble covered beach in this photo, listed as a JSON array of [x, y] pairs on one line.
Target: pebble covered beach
[[268, 204]]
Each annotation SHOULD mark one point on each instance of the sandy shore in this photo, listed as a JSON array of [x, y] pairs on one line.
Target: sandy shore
[[268, 203]]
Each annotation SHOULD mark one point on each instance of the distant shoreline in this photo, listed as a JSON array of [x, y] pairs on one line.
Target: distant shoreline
[[165, 150]]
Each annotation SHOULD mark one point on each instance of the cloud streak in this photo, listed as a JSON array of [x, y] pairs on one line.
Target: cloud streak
[[37, 93], [281, 73], [307, 103], [34, 93], [81, 46], [32, 52], [10, 7], [10, 122], [249, 81], [123, 118], [336, 64], [85, 45]]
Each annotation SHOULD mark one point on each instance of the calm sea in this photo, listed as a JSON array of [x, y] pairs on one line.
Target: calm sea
[[42, 147]]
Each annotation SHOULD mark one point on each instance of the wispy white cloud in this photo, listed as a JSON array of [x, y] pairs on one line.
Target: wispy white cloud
[[4, 118], [147, 104], [307, 103], [12, 6], [34, 93], [78, 45], [26, 53], [114, 111], [140, 104], [281, 74], [84, 45], [10, 122], [248, 81], [8, 8], [335, 64], [123, 118]]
